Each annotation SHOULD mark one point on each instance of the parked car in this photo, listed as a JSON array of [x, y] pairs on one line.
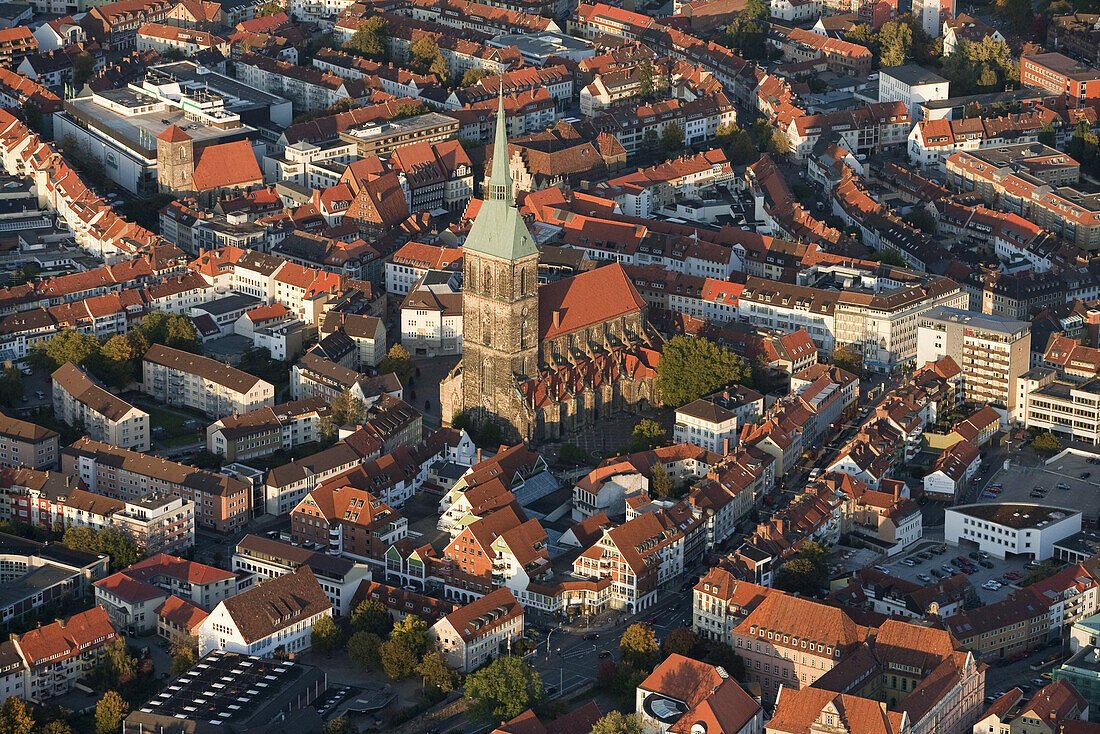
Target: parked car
[[925, 555], [881, 569], [591, 636], [925, 578], [1062, 485], [975, 555], [908, 562], [985, 564], [604, 654], [1085, 474], [937, 573]]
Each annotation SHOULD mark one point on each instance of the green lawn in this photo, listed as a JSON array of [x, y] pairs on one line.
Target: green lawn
[[172, 423]]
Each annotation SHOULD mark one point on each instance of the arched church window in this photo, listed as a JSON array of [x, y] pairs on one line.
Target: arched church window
[[524, 331], [487, 286]]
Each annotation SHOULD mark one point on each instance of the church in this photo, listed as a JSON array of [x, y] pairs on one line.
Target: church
[[543, 361]]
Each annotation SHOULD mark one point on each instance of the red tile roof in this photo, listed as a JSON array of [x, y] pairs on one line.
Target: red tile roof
[[589, 298], [225, 165]]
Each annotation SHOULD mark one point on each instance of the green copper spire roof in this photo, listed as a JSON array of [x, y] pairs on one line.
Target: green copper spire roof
[[498, 229]]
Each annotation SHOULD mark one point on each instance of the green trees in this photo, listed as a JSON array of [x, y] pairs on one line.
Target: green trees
[[691, 368], [680, 641], [425, 57], [895, 43], [414, 631], [980, 67], [109, 713], [646, 86], [364, 649], [398, 361], [339, 725], [737, 144], [647, 434], [672, 138], [1082, 147], [122, 550], [11, 386], [1016, 12], [502, 690], [660, 484], [326, 635], [433, 669], [369, 39], [806, 574], [398, 658], [114, 361], [472, 76], [847, 358], [1047, 135], [372, 616], [16, 717], [347, 410], [270, 8], [616, 722], [747, 34], [1046, 443], [638, 646]]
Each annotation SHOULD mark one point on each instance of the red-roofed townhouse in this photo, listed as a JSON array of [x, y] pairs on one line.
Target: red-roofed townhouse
[[480, 631], [953, 469], [637, 556], [177, 619], [58, 654], [132, 596], [720, 601]]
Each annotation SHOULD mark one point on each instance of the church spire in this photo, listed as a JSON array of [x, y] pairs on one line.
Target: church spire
[[500, 182]]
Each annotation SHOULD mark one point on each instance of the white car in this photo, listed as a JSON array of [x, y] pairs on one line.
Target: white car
[[992, 585]]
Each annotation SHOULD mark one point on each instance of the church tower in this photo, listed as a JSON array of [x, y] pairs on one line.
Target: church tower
[[500, 307], [175, 160]]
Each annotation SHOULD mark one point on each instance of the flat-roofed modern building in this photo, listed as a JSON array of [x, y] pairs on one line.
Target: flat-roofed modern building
[[1004, 529], [380, 138], [991, 351], [175, 377], [1066, 408], [78, 400]]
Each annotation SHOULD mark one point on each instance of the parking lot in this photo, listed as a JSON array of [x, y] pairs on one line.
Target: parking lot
[[1071, 481], [930, 570]]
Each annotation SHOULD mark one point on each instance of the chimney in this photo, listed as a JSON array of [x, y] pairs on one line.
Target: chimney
[[726, 446], [557, 318], [479, 455], [897, 491]]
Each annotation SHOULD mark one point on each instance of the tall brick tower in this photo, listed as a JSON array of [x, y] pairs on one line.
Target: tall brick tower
[[175, 160], [500, 307]]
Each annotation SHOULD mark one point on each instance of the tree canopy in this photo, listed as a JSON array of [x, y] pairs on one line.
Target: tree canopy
[[398, 361], [639, 646], [747, 33], [369, 39], [109, 713], [807, 573], [616, 722], [502, 690], [326, 635], [691, 368]]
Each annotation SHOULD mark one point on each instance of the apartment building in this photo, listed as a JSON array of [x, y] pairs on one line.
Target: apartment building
[[286, 485], [1031, 180], [991, 351], [912, 85], [638, 556], [78, 400], [265, 558], [431, 316], [222, 503], [1063, 407], [413, 261], [24, 444], [156, 522], [133, 596], [273, 618], [347, 521], [479, 631], [720, 601], [1020, 621], [175, 377], [1058, 74], [57, 655], [267, 430], [714, 422]]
